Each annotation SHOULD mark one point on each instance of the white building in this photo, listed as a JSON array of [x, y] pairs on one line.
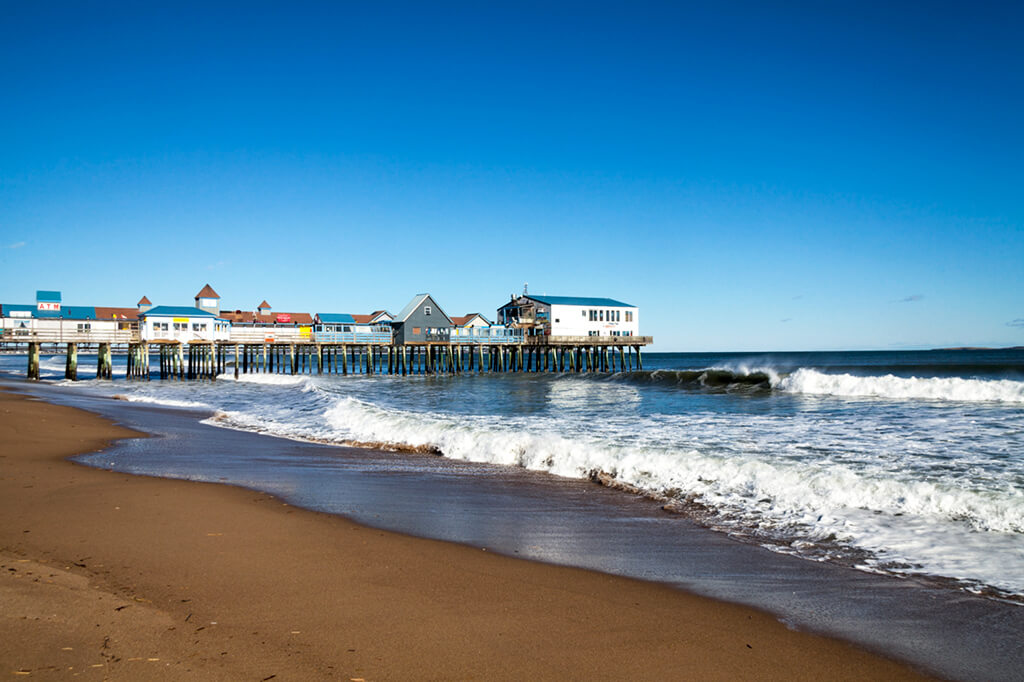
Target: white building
[[570, 316], [183, 324]]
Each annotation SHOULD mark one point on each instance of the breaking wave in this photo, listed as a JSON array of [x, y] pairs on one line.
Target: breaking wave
[[813, 382], [808, 381], [713, 378]]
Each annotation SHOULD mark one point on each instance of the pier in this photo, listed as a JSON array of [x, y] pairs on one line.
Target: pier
[[534, 334], [196, 360]]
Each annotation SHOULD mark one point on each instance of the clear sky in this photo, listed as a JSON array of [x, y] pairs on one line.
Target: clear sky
[[754, 176]]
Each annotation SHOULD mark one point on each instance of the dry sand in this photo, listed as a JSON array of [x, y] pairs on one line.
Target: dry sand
[[112, 576]]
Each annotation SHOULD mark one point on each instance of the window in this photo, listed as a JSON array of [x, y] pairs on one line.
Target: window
[[557, 320], [426, 310], [629, 316], [584, 313], [84, 327], [600, 316]]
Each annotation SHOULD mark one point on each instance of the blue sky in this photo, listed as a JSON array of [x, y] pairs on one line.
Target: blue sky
[[755, 176]]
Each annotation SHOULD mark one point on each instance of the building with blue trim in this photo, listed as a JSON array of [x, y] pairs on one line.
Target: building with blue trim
[[570, 316]]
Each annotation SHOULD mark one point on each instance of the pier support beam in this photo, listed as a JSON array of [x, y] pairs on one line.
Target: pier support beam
[[71, 365], [33, 361]]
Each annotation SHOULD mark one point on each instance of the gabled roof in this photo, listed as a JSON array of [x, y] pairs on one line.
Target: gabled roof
[[207, 292], [378, 313], [104, 313], [144, 301], [580, 300], [175, 311], [263, 305], [48, 296], [463, 320], [415, 303]]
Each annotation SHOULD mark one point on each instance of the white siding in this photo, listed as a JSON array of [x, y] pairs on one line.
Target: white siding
[[575, 320], [184, 329]]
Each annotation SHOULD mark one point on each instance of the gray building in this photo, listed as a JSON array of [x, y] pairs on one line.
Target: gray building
[[422, 321]]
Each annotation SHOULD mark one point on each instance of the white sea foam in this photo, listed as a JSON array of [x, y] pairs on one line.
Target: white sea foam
[[833, 502], [813, 382], [938, 491], [267, 379], [156, 400]]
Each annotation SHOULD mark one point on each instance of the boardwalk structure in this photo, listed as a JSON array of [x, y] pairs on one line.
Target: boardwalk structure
[[201, 341]]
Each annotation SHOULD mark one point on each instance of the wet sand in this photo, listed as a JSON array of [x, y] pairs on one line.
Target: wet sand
[[127, 577]]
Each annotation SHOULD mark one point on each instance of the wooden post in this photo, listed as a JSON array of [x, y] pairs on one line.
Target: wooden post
[[71, 362], [33, 360]]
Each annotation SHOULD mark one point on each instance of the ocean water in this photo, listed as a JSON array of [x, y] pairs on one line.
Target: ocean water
[[907, 463]]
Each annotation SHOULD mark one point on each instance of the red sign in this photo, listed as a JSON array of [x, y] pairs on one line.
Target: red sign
[[284, 317], [44, 305]]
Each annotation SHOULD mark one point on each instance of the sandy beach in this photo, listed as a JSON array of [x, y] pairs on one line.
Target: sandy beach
[[113, 576]]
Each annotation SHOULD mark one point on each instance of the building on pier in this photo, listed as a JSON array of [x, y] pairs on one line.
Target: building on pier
[[570, 316], [265, 326], [421, 321], [348, 328], [475, 328], [182, 324], [470, 321], [49, 321]]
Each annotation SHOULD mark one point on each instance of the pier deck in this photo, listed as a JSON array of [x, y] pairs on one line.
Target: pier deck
[[201, 359]]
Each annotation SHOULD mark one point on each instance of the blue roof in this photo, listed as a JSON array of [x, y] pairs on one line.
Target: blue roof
[[68, 312], [176, 311], [580, 300], [8, 308], [48, 296], [336, 318]]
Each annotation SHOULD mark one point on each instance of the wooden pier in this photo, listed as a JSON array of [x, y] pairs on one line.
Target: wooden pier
[[199, 360]]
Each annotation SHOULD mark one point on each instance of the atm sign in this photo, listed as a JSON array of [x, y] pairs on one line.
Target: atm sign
[[46, 305]]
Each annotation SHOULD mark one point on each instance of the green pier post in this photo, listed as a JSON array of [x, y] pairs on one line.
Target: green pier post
[[33, 361], [71, 362]]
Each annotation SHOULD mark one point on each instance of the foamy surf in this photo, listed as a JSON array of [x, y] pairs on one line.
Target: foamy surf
[[813, 382], [884, 469]]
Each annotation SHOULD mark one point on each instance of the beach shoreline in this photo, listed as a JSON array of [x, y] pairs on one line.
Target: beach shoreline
[[223, 582]]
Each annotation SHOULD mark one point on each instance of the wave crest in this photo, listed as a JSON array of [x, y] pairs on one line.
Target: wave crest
[[813, 382]]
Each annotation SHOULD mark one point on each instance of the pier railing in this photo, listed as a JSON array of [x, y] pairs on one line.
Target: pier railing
[[375, 337], [486, 335], [118, 336], [270, 334], [541, 340]]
